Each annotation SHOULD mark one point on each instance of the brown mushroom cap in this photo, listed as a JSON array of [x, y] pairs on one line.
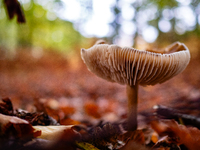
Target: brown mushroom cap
[[130, 66]]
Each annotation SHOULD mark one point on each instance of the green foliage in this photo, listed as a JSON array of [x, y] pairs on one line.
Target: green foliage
[[42, 29], [162, 4]]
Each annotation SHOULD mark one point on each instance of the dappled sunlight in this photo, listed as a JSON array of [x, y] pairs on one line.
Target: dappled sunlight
[[45, 82]]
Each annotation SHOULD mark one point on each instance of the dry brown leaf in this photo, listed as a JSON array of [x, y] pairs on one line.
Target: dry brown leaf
[[68, 110], [134, 140], [6, 106], [14, 126], [165, 144], [69, 121], [180, 134], [92, 109]]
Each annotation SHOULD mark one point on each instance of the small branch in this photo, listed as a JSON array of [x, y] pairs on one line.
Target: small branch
[[170, 113]]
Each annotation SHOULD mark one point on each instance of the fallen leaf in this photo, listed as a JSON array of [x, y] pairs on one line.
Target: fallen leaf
[[16, 127], [165, 144], [180, 134], [92, 109], [154, 137], [133, 140], [6, 107], [86, 146], [15, 131], [67, 110], [52, 132]]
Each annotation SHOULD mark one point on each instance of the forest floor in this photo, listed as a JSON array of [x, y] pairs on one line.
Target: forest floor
[[73, 95]]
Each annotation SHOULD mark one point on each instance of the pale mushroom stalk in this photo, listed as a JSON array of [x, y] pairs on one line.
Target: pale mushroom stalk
[[132, 95]]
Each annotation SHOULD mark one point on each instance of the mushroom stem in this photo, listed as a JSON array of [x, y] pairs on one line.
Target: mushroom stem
[[132, 94]]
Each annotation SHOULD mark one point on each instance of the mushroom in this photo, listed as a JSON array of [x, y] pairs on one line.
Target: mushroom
[[135, 67]]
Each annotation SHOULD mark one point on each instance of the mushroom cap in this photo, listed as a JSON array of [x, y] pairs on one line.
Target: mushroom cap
[[130, 66]]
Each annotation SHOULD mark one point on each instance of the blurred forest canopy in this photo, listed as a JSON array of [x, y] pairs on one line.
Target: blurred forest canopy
[[160, 21], [166, 20], [42, 30]]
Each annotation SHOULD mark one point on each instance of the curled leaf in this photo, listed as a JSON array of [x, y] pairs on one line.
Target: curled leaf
[[52, 132], [15, 132], [180, 134], [14, 126], [6, 107]]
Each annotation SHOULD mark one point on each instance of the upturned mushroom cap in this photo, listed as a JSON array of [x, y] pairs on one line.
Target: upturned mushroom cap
[[130, 66]]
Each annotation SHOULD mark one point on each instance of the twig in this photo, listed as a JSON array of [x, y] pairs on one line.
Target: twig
[[170, 113]]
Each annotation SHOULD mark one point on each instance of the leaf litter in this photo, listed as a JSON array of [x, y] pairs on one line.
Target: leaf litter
[[19, 130], [59, 119]]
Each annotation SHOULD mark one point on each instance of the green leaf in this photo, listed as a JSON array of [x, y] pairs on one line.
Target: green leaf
[[86, 146]]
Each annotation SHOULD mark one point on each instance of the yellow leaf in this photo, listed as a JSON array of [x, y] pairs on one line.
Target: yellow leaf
[[86, 146]]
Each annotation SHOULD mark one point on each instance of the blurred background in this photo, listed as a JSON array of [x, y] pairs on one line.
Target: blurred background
[[41, 57], [64, 25]]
